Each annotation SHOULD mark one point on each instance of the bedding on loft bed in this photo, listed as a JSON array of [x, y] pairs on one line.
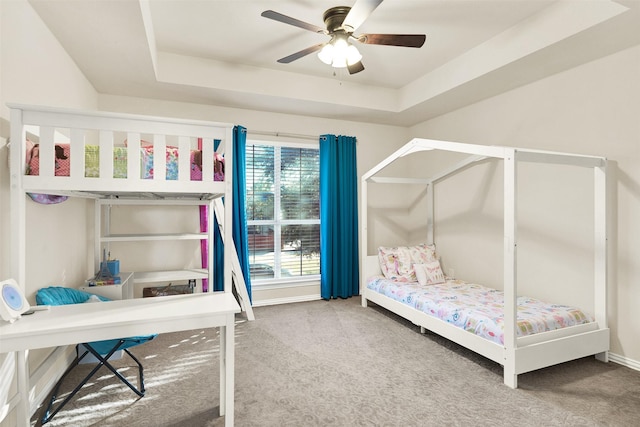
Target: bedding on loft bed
[[92, 162], [517, 332], [98, 154]]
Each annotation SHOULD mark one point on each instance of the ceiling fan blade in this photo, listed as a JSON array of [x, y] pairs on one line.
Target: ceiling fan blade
[[406, 40], [298, 55], [359, 12], [292, 21], [355, 68]]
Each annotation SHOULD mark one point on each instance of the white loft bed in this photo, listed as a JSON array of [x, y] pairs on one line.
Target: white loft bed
[[110, 132], [518, 354], [82, 129]]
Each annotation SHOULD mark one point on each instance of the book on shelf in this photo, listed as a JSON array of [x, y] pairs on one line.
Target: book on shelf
[[104, 281]]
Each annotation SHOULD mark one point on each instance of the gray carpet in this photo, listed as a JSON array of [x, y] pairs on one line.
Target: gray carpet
[[334, 363]]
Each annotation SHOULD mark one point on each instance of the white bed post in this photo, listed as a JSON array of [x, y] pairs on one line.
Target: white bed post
[[510, 259], [212, 223], [600, 245], [228, 209], [18, 252], [133, 156], [106, 155], [159, 167], [17, 199], [97, 233], [363, 238], [76, 150], [430, 213]]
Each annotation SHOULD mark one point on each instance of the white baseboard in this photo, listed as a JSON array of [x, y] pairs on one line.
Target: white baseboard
[[287, 300], [624, 361]]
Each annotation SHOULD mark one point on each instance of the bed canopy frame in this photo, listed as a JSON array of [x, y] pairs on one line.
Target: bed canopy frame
[[518, 355]]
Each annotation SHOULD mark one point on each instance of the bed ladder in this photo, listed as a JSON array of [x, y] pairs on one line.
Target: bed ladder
[[236, 271]]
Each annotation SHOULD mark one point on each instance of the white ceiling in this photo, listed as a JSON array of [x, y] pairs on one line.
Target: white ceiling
[[224, 53]]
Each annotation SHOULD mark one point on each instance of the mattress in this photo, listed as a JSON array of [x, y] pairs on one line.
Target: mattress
[[92, 162], [478, 309]]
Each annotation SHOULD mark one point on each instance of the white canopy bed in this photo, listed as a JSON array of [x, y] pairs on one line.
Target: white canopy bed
[[518, 349]]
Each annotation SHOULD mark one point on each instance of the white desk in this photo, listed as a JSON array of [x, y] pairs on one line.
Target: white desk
[[76, 323]]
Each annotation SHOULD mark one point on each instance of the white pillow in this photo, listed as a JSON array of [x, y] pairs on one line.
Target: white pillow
[[429, 273], [93, 298], [397, 263]]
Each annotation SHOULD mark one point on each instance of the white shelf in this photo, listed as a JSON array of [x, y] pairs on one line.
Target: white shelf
[[146, 276], [162, 202], [168, 276], [153, 237]]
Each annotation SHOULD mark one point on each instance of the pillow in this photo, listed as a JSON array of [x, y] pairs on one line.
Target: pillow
[[93, 298], [397, 263], [143, 143], [57, 295], [429, 273], [387, 261], [62, 162], [30, 145], [47, 199]]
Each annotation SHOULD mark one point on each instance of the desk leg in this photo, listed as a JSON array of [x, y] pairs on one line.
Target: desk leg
[[223, 369], [227, 380], [24, 404]]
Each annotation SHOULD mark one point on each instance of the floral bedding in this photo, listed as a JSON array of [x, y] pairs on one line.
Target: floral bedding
[[478, 309], [92, 162]]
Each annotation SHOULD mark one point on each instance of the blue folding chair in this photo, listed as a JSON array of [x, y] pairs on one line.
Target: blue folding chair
[[102, 350]]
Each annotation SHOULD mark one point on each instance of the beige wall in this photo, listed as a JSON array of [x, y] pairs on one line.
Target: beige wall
[[37, 70], [592, 109]]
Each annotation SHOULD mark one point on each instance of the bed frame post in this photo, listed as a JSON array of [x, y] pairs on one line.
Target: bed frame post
[[601, 253], [430, 213], [18, 246], [510, 277], [363, 238], [17, 199], [228, 209], [97, 250], [211, 225]]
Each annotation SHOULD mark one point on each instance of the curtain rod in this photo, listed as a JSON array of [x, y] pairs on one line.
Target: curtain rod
[[284, 134]]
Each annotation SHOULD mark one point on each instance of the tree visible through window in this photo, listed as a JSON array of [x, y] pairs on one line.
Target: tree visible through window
[[283, 211]]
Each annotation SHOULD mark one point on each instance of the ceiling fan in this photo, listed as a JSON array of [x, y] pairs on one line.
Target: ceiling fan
[[341, 22]]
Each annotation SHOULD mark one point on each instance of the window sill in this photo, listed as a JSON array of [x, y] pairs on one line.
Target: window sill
[[290, 282]]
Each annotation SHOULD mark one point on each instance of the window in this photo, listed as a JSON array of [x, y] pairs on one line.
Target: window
[[283, 211]]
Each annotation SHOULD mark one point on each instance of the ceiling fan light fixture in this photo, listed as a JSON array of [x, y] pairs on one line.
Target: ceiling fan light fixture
[[326, 54], [339, 53], [353, 55]]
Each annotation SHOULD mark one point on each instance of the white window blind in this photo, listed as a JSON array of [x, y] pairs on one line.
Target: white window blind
[[283, 211]]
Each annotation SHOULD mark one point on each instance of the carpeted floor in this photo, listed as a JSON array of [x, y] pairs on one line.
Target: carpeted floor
[[334, 363]]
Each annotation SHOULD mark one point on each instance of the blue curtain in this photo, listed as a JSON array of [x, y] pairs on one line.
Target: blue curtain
[[338, 217], [240, 235]]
